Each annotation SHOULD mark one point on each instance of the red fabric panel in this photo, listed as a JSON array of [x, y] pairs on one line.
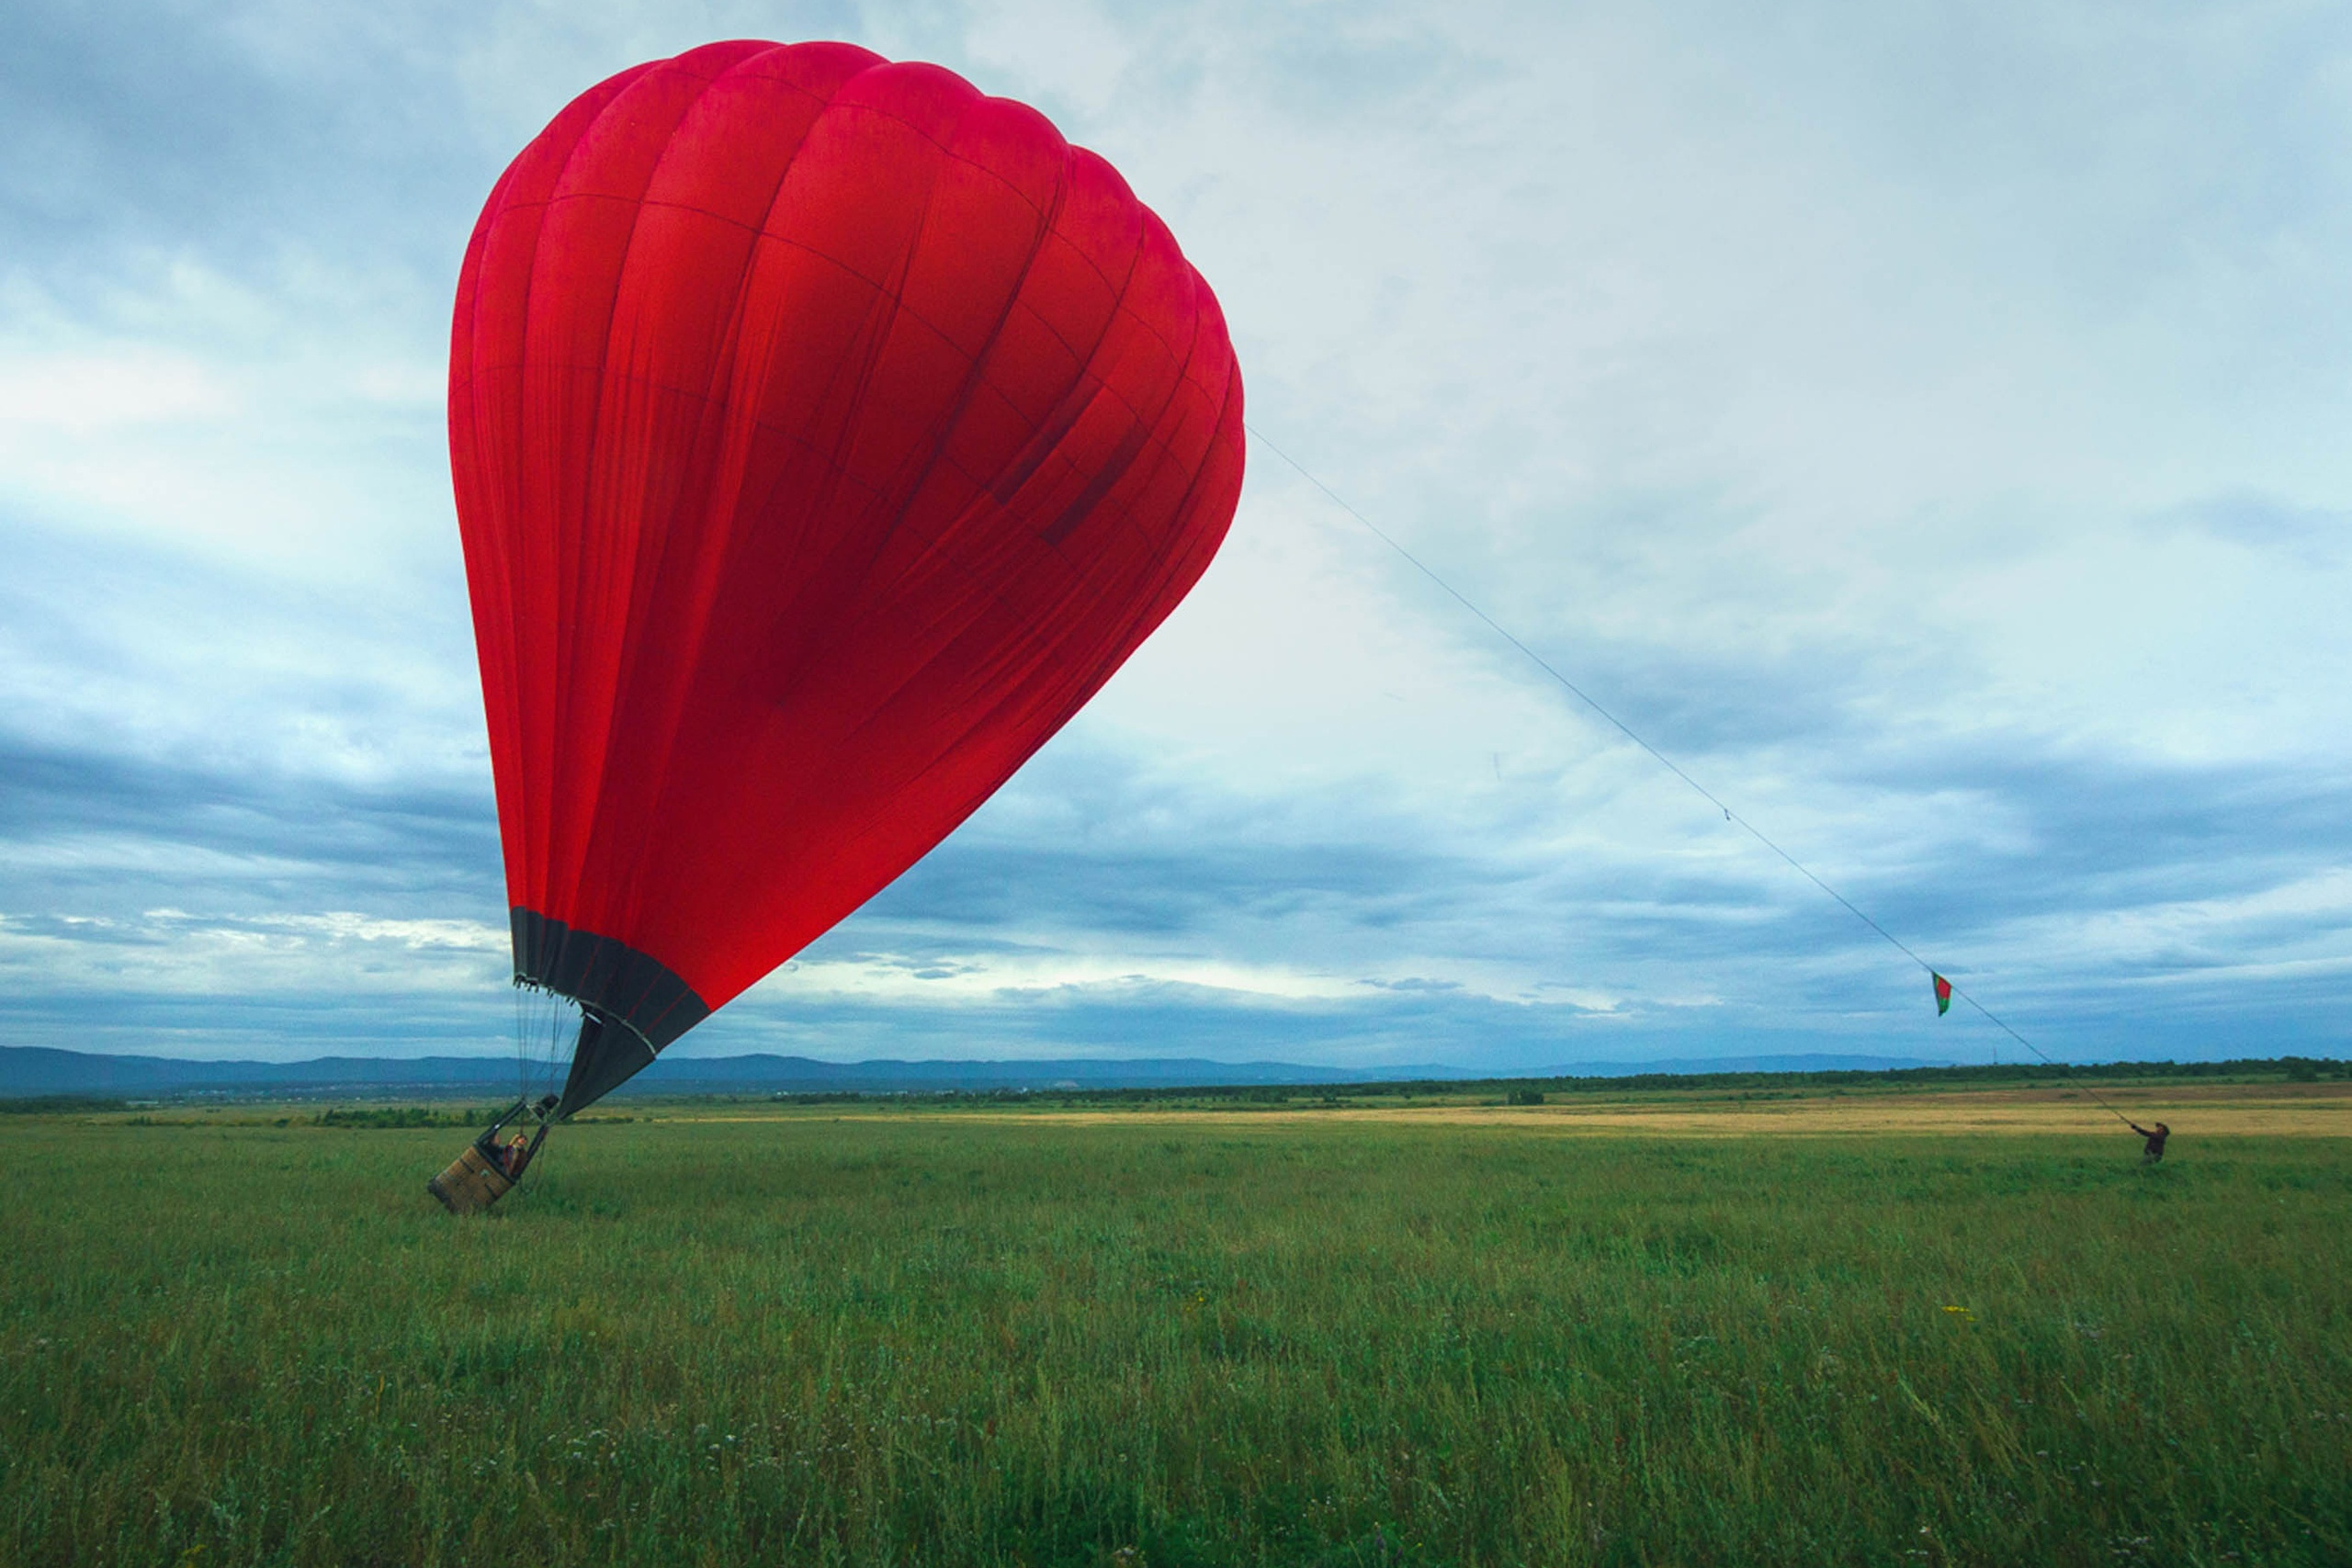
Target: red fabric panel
[[825, 434]]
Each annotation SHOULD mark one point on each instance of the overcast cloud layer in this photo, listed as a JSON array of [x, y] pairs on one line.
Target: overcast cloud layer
[[1925, 424]]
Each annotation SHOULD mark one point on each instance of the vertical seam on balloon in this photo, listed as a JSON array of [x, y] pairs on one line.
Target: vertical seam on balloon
[[579, 583], [1149, 605], [1085, 373], [503, 631], [1124, 456], [976, 375], [535, 823], [834, 456], [896, 289], [506, 523], [1087, 376], [538, 825], [1118, 309], [1115, 285], [1183, 374], [710, 394], [764, 235], [1174, 567], [501, 628], [1070, 409]]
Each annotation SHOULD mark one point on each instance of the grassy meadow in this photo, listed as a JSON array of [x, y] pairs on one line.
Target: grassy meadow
[[843, 1334]]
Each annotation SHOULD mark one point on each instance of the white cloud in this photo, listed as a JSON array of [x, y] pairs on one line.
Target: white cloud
[[80, 395], [173, 954]]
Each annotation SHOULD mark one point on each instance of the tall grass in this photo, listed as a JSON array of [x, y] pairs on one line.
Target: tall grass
[[950, 1339]]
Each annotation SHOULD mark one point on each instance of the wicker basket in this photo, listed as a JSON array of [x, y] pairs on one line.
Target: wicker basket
[[471, 1184]]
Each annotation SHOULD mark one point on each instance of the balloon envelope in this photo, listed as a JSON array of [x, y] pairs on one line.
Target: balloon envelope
[[825, 433]]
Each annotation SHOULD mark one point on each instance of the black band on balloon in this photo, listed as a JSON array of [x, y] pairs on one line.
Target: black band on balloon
[[610, 979], [631, 1005]]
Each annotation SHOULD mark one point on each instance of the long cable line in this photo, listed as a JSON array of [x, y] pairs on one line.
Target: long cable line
[[1667, 763]]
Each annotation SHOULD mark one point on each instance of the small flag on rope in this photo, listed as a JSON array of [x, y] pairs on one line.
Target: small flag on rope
[[1944, 993]]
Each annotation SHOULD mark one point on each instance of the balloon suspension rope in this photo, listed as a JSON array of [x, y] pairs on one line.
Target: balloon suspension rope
[[522, 1046], [1667, 763], [539, 1030]]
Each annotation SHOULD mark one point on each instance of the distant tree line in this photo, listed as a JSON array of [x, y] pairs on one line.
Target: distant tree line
[[402, 1116]]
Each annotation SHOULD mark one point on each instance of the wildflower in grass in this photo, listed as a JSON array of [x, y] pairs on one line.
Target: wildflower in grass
[[1962, 1312]]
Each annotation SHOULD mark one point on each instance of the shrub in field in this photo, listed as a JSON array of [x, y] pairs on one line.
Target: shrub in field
[[402, 1116]]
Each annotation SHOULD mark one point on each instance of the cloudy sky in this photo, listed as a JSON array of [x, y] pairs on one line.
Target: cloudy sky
[[1925, 423]]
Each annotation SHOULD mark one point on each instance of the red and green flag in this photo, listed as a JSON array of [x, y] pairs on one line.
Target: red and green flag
[[1944, 993]]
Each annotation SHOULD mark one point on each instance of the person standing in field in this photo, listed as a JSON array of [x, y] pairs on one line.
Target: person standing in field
[[2156, 1140]]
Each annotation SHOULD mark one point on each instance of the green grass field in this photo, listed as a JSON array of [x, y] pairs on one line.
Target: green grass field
[[945, 1338]]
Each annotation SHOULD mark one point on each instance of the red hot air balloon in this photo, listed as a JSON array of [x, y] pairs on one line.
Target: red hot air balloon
[[825, 434]]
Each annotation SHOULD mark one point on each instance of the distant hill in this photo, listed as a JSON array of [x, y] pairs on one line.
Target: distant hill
[[26, 1071], [36, 1070]]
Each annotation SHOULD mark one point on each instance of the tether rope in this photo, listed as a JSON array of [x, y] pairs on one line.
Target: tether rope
[[1667, 763]]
